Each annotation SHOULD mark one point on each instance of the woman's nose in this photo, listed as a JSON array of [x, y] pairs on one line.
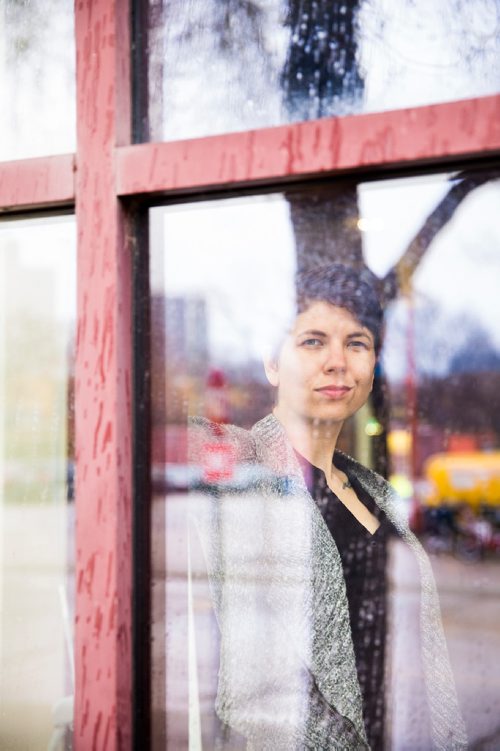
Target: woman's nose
[[335, 359]]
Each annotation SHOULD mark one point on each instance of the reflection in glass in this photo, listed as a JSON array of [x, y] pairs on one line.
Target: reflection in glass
[[217, 66], [37, 78], [225, 278], [37, 321]]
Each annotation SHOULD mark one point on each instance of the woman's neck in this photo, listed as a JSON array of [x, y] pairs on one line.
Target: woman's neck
[[314, 439]]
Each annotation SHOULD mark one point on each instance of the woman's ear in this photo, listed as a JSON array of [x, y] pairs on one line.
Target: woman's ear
[[272, 371]]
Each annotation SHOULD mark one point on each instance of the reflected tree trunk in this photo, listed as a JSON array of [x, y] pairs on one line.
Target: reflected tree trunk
[[321, 78], [325, 226]]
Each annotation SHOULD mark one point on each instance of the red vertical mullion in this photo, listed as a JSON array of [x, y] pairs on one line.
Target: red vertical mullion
[[103, 706]]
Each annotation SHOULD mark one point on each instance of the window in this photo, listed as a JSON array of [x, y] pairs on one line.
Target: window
[[219, 67], [122, 176], [222, 299], [38, 78]]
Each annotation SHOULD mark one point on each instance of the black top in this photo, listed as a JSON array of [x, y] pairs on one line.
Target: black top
[[364, 561]]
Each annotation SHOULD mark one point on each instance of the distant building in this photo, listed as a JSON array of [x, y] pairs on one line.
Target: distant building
[[183, 323]]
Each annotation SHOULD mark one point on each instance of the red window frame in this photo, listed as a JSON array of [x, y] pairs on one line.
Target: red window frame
[[101, 180]]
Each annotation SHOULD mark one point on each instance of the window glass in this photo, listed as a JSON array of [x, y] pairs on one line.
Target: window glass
[[37, 78], [218, 66], [262, 626], [37, 334]]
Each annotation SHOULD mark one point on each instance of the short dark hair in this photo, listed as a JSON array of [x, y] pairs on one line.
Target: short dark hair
[[346, 287]]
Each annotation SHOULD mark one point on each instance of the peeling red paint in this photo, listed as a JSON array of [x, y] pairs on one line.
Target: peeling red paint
[[107, 733], [102, 390], [85, 716], [421, 134], [89, 574], [30, 182], [108, 434], [97, 727], [97, 626], [95, 334], [100, 408], [109, 573], [112, 619]]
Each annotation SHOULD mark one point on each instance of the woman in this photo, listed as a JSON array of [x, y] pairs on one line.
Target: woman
[[298, 563]]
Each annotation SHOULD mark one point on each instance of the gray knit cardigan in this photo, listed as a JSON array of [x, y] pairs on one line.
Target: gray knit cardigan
[[287, 675]]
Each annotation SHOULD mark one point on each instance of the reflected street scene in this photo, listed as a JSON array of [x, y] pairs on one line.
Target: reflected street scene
[[326, 467], [37, 519]]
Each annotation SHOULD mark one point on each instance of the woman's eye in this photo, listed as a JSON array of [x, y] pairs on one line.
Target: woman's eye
[[311, 342], [357, 344]]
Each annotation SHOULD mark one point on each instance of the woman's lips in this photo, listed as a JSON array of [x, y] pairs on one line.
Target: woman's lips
[[334, 392]]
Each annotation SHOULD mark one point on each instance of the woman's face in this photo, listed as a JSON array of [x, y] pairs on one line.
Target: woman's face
[[325, 366]]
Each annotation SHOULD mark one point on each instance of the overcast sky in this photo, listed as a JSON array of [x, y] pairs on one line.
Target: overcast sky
[[239, 255]]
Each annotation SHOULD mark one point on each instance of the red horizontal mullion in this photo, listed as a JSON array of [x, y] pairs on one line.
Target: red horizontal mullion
[[37, 183], [453, 130], [418, 135]]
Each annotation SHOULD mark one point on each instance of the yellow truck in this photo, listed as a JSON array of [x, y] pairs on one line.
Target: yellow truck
[[471, 478]]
